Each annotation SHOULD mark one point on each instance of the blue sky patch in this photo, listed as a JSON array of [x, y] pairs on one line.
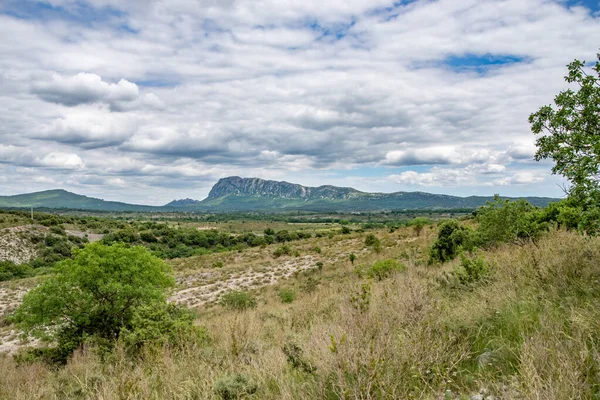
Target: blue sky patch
[[80, 12], [480, 63], [593, 5], [335, 31]]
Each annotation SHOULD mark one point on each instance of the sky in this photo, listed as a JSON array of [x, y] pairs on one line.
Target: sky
[[146, 101]]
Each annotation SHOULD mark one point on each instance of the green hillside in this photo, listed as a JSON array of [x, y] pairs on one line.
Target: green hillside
[[248, 195], [62, 199]]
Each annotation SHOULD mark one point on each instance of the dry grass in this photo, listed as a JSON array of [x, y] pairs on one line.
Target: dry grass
[[531, 331]]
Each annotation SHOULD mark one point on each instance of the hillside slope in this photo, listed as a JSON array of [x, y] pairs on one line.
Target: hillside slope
[[62, 199], [254, 194]]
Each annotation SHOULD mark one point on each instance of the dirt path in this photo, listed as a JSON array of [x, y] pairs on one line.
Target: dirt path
[[206, 286]]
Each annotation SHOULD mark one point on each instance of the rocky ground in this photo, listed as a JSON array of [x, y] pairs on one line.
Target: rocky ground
[[15, 245]]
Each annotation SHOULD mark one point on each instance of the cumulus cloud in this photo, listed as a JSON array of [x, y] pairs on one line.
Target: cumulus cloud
[[433, 93], [88, 128], [84, 88]]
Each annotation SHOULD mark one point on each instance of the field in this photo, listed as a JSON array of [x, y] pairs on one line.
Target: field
[[324, 326]]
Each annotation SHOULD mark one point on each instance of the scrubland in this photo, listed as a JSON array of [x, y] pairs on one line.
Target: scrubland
[[526, 326]]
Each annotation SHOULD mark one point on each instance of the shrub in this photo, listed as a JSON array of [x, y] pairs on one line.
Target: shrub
[[10, 270], [345, 230], [218, 264], [471, 270], [371, 240], [419, 223], [384, 268], [352, 258], [508, 221], [380, 270], [287, 295], [282, 236], [282, 250], [58, 230], [237, 300], [234, 386], [451, 238], [295, 357], [161, 325]]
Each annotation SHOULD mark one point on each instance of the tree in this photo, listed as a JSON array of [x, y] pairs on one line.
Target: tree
[[419, 223], [572, 131], [452, 237], [96, 294]]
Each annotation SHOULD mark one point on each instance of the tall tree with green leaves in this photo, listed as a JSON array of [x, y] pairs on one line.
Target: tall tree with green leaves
[[571, 131], [95, 295]]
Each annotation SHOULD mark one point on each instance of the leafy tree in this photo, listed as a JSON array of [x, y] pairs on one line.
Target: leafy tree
[[572, 131], [451, 238], [95, 294], [352, 257], [508, 221]]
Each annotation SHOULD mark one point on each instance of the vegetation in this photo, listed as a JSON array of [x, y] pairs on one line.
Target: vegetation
[[237, 300], [287, 295], [96, 295], [452, 237], [381, 269], [571, 136]]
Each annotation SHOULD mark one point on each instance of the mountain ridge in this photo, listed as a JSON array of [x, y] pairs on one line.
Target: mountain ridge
[[233, 194]]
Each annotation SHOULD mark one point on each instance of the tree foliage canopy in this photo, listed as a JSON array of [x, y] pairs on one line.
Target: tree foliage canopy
[[572, 130], [95, 294]]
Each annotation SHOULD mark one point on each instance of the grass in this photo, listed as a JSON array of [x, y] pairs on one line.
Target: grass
[[530, 330]]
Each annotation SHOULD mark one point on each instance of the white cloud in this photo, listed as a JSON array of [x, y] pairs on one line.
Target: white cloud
[[84, 88], [61, 161], [279, 88]]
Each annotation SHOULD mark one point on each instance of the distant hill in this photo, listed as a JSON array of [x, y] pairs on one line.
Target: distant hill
[[62, 199], [254, 194], [182, 203]]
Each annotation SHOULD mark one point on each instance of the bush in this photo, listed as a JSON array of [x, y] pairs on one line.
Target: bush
[[371, 240], [234, 386], [161, 325], [287, 295], [237, 300], [419, 223], [295, 357], [508, 221], [471, 270], [381, 269], [10, 270], [451, 238], [282, 250], [345, 230]]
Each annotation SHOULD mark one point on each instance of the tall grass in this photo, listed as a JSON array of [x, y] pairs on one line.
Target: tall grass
[[530, 330]]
